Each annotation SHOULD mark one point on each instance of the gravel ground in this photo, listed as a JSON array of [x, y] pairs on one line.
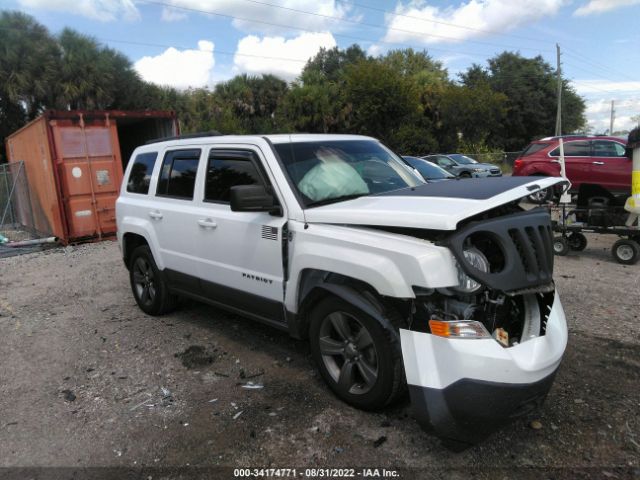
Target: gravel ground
[[86, 380]]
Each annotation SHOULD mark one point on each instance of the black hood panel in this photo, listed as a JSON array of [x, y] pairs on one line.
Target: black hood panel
[[470, 188]]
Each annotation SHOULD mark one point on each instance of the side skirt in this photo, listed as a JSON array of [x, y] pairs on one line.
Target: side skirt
[[264, 310]]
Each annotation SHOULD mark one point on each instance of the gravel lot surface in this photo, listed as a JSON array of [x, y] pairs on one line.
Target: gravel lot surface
[[86, 379]]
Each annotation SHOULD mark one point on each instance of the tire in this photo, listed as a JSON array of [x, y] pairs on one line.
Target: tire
[[148, 285], [541, 197], [560, 246], [577, 242], [465, 175], [626, 251], [366, 377]]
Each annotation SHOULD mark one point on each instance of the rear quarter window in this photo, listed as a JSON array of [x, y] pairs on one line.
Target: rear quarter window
[[140, 174], [533, 148]]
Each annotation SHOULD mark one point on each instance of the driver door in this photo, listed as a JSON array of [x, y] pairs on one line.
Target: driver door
[[241, 252]]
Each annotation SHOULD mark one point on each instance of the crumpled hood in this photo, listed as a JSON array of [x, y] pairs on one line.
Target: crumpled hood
[[434, 206]]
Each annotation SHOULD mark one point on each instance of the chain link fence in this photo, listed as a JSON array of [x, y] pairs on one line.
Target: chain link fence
[[16, 212]]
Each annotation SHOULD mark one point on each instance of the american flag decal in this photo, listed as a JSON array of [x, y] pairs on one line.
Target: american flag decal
[[269, 233]]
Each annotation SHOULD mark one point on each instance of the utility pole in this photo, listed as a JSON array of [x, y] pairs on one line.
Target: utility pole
[[613, 117], [565, 197], [559, 81]]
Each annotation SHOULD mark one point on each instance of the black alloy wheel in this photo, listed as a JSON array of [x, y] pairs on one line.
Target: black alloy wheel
[[148, 285], [358, 357]]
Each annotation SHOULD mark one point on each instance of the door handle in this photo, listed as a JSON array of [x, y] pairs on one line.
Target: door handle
[[555, 161], [598, 163], [155, 215], [207, 223]]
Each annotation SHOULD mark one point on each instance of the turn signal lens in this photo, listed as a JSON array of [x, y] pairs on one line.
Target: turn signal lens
[[458, 329]]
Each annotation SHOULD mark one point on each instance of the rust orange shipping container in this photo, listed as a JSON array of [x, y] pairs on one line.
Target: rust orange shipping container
[[74, 161]]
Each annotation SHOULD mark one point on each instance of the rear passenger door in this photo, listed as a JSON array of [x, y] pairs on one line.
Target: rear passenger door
[[577, 158], [610, 167], [241, 252], [173, 218]]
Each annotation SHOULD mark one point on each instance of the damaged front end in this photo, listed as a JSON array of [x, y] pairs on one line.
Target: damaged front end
[[485, 351]]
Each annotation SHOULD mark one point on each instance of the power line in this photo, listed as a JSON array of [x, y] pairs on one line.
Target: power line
[[356, 22], [580, 57], [466, 27]]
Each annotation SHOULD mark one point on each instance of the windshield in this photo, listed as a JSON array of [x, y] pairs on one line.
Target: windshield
[[428, 170], [330, 171], [462, 159]]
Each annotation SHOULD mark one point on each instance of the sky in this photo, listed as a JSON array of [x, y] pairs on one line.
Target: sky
[[195, 43]]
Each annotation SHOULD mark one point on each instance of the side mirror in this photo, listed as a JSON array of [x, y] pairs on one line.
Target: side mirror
[[253, 198]]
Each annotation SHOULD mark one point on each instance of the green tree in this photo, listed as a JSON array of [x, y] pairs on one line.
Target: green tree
[[380, 99], [530, 87], [29, 58]]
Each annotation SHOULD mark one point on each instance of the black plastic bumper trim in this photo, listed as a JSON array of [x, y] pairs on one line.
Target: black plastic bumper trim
[[468, 411]]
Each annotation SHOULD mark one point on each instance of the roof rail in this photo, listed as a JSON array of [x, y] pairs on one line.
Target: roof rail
[[210, 133]]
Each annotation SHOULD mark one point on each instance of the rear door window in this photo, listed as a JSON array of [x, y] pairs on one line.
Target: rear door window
[[178, 174], [230, 168], [573, 149], [140, 174]]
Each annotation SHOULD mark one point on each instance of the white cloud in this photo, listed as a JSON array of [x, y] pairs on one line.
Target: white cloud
[[289, 15], [601, 6], [263, 55], [606, 87], [598, 95], [103, 10], [179, 69], [172, 15], [417, 21]]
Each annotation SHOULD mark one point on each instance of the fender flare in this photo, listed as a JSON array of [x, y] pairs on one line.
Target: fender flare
[[360, 299]]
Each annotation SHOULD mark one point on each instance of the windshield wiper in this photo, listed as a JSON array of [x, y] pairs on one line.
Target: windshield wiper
[[341, 198]]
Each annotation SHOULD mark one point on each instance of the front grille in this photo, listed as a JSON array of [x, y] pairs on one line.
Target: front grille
[[525, 241], [495, 171]]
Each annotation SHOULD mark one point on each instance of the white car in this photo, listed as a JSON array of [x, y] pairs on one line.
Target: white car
[[445, 288]]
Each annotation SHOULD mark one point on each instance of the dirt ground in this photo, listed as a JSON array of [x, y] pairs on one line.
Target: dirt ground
[[88, 380]]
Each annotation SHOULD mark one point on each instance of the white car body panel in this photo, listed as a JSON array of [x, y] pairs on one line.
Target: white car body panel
[[390, 263]]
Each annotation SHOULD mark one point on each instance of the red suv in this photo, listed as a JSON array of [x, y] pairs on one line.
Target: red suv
[[594, 160]]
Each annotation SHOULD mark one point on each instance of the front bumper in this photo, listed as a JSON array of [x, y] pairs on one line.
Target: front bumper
[[485, 173], [464, 389]]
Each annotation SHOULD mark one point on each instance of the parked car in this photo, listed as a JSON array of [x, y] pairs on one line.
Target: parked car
[[392, 280], [463, 166], [594, 160], [429, 171]]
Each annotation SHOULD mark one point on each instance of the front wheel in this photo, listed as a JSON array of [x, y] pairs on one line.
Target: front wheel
[[626, 251], [465, 175], [355, 354], [560, 246], [147, 283]]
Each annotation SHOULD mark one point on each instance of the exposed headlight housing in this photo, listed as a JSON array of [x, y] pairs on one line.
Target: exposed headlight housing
[[478, 170], [477, 260]]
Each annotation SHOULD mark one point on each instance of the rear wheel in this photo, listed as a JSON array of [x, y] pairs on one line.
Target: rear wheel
[[147, 283], [626, 251], [560, 246], [577, 241], [354, 354]]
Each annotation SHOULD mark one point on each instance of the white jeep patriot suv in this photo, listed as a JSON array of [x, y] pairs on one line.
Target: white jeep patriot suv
[[445, 288]]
